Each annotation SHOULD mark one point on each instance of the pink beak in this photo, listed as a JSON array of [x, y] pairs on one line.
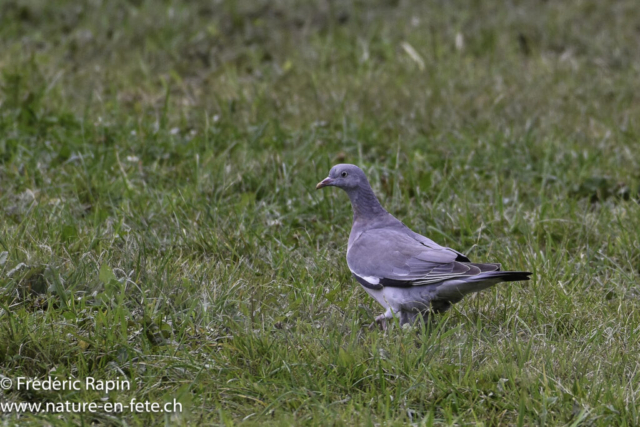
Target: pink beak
[[324, 183]]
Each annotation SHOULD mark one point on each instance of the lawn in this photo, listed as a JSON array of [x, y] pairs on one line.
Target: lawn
[[159, 223]]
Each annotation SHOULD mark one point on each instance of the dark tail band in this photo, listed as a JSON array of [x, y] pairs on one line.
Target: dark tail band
[[513, 276]]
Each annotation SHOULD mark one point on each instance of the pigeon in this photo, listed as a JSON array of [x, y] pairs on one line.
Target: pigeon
[[410, 275]]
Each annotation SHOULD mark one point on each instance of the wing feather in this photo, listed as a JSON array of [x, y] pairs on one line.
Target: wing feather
[[396, 258]]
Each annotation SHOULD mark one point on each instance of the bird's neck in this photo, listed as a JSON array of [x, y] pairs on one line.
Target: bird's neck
[[365, 204]]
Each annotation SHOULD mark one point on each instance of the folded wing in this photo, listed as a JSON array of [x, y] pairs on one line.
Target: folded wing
[[390, 257]]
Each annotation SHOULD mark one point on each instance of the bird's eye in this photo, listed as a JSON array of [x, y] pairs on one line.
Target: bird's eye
[[344, 174]]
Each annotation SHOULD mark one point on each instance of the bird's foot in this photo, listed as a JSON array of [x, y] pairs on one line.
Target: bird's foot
[[381, 321]]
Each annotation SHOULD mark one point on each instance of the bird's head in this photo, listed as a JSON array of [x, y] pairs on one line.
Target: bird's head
[[345, 176]]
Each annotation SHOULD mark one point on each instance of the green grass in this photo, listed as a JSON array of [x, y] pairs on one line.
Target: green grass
[[158, 218]]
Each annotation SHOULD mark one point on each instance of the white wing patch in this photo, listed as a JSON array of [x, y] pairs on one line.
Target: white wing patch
[[371, 279]]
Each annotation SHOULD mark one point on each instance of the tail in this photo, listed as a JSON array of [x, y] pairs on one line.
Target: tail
[[453, 290], [510, 276]]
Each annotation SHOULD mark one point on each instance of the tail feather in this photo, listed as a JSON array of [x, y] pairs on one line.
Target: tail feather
[[513, 276], [456, 288]]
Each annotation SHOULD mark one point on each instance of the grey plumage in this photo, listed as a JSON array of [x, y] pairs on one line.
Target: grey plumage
[[407, 273]]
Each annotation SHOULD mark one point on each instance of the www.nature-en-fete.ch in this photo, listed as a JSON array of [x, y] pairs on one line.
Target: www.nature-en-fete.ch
[[91, 407]]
